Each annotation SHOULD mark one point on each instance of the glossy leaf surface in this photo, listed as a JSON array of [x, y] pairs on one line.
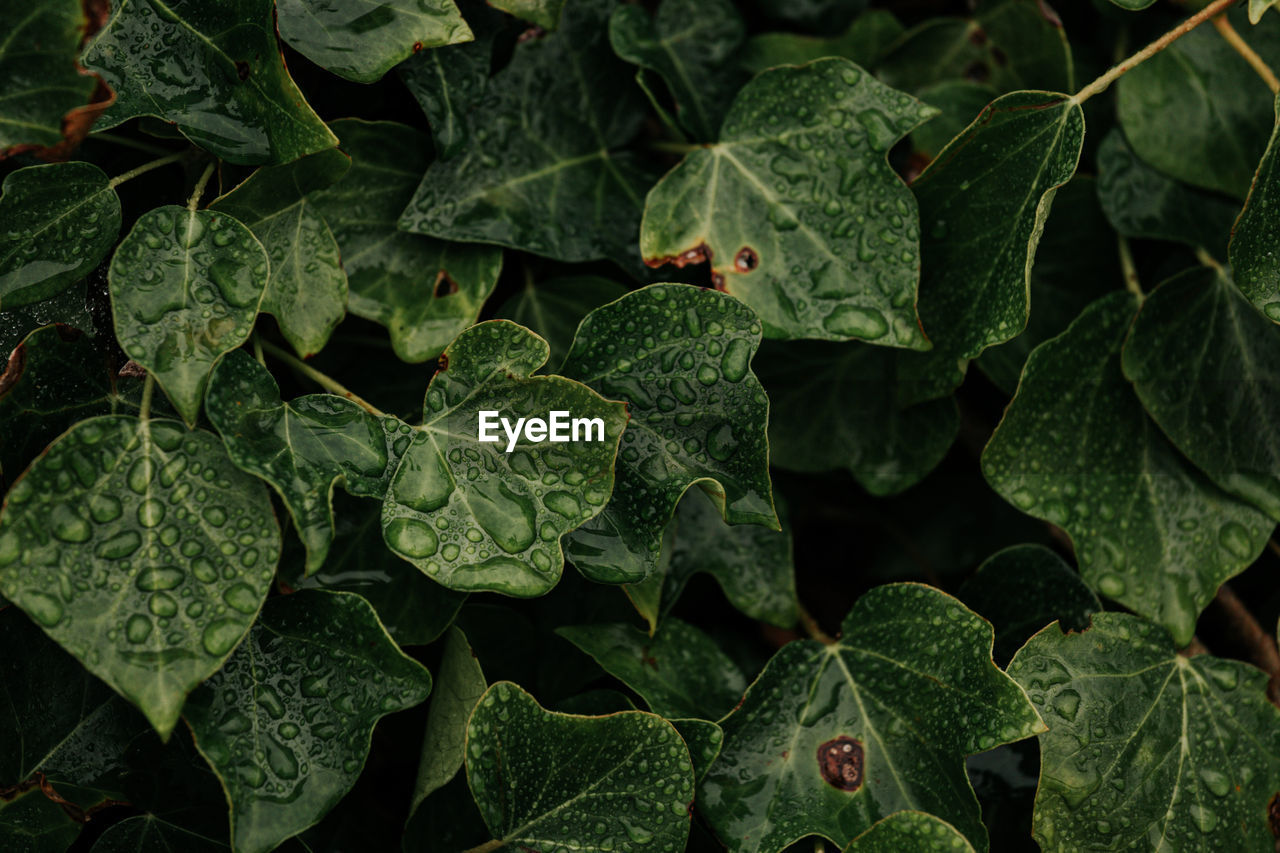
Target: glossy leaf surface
[[459, 685], [555, 307], [910, 830], [1253, 240], [38, 71], [542, 13]]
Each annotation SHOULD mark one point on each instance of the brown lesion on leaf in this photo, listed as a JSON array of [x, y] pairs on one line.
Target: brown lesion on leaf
[[699, 254], [746, 260], [840, 763], [13, 370], [999, 56], [417, 47], [444, 285], [977, 36], [534, 32], [977, 72], [1273, 814], [442, 363]]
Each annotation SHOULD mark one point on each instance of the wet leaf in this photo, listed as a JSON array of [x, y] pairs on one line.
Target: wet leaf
[[681, 359], [679, 671], [59, 221], [1146, 747], [152, 834], [1253, 240], [141, 550], [473, 516], [185, 288], [957, 101], [38, 72], [703, 739], [303, 448], [33, 823], [1076, 449], [1257, 8], [68, 307], [1206, 366], [910, 830], [424, 291], [459, 685], [829, 739], [543, 13], [363, 39], [619, 781], [230, 93], [286, 723], [797, 210], [307, 287], [546, 138], [863, 43], [1135, 5], [555, 307]]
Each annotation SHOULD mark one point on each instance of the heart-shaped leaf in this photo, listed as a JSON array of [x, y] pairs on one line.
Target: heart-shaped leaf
[[1253, 240], [424, 291], [1076, 449], [704, 739], [1256, 9], [185, 288], [141, 550], [250, 110], [59, 221], [623, 781], [151, 833], [831, 738], [1145, 747], [307, 288], [797, 210], [554, 308], [458, 687], [544, 13], [363, 39], [910, 830], [957, 102], [490, 514], [863, 43], [286, 723], [681, 359]]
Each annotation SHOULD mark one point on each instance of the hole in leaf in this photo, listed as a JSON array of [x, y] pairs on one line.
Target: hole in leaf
[[840, 762]]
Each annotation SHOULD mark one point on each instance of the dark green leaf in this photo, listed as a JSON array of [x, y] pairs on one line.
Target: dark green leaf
[[38, 72], [151, 834], [1253, 240], [286, 723], [797, 210], [958, 101], [459, 685], [543, 13], [1256, 9], [704, 739], [33, 823], [810, 14], [863, 43], [910, 830], [554, 308], [68, 307]]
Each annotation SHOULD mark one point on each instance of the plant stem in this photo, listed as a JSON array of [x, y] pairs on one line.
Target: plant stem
[[148, 388], [1100, 85], [146, 167], [1207, 259], [1131, 281], [495, 844], [326, 382], [675, 147], [1261, 645], [200, 185], [812, 628], [1257, 63], [257, 350]]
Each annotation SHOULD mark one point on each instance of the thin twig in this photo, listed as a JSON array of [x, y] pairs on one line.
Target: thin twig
[[674, 147], [1131, 281], [1207, 259], [812, 628], [146, 167], [1257, 63], [148, 388], [200, 185], [326, 382], [495, 844], [1262, 646]]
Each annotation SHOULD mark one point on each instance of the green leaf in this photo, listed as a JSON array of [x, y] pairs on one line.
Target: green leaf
[[523, 167], [151, 834], [975, 288], [363, 39], [543, 13], [185, 288], [810, 14], [286, 723], [1023, 588], [459, 685], [679, 671], [1145, 747], [1196, 110], [474, 517], [910, 830], [68, 307], [38, 72], [59, 221], [1076, 449], [836, 406], [555, 307], [703, 739], [303, 448], [141, 550], [307, 288], [863, 43], [1205, 364], [690, 44], [1137, 5], [958, 101], [598, 783], [1143, 202], [829, 739], [424, 291], [230, 93], [797, 210], [1256, 9], [33, 823], [1253, 240], [681, 359]]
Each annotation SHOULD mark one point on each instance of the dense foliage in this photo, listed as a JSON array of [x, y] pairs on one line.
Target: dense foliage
[[938, 393]]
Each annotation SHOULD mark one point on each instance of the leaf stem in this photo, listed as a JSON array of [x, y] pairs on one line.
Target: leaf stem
[[257, 350], [1207, 259], [1131, 281], [674, 147], [495, 844], [146, 167], [812, 628], [1100, 85], [200, 185], [1245, 627], [323, 380], [1257, 63], [148, 388]]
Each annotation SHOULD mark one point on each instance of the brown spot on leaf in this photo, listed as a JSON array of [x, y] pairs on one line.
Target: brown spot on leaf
[[1001, 58], [444, 285], [530, 34], [978, 36], [840, 762], [133, 370], [699, 254], [1047, 12], [977, 72], [746, 260], [717, 281], [242, 70], [417, 47], [13, 371], [442, 363], [1273, 814]]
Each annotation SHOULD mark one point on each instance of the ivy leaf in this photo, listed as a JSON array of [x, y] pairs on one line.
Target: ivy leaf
[[1253, 241], [555, 307], [800, 174], [703, 739], [1257, 8], [1138, 5], [424, 291], [689, 43], [974, 292], [679, 671], [836, 406], [250, 110], [141, 550], [554, 779], [185, 288], [459, 685], [520, 169], [879, 712], [68, 308], [59, 221], [286, 723], [910, 830], [33, 823], [1076, 449], [364, 39], [957, 101], [1205, 364], [38, 72], [148, 832], [543, 13], [863, 43], [680, 357], [307, 288], [474, 517], [303, 448], [1135, 727]]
